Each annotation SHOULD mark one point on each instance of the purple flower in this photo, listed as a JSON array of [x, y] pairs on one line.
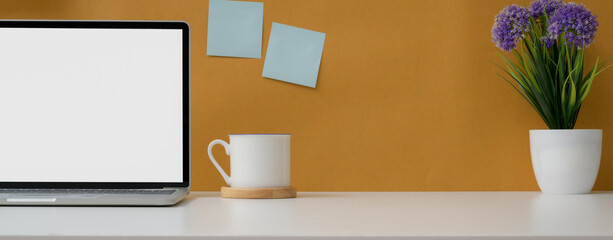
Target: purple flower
[[538, 7], [510, 26], [577, 24]]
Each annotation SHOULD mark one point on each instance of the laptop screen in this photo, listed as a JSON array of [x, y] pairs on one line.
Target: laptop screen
[[98, 104]]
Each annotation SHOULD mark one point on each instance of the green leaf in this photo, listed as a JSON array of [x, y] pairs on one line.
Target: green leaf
[[573, 96]]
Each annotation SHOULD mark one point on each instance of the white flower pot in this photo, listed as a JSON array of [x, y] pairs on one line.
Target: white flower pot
[[566, 161]]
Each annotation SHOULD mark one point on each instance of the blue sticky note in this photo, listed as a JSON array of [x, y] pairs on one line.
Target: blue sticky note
[[293, 55], [235, 29]]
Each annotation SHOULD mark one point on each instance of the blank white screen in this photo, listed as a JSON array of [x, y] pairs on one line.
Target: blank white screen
[[90, 105]]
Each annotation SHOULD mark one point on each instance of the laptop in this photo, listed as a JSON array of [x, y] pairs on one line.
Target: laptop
[[94, 112]]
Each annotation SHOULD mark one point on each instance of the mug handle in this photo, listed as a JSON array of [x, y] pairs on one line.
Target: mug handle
[[226, 146]]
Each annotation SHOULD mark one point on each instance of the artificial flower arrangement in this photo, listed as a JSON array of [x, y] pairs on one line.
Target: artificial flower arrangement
[[548, 40]]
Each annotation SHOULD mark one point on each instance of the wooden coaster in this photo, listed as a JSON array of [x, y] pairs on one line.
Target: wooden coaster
[[281, 192]]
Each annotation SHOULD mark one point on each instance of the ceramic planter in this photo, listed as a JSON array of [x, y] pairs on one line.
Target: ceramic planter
[[566, 161]]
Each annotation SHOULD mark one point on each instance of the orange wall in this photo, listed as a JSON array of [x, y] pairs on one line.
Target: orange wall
[[406, 98]]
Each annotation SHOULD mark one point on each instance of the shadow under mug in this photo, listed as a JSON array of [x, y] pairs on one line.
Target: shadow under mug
[[256, 160]]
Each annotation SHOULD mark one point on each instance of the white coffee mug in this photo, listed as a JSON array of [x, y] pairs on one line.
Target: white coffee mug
[[256, 160]]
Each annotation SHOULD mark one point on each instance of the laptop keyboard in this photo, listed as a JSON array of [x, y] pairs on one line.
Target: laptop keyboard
[[90, 191]]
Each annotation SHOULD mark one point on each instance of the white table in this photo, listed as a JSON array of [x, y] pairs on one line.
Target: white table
[[329, 215]]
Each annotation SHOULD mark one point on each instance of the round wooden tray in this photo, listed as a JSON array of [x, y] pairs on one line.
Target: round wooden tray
[[281, 192]]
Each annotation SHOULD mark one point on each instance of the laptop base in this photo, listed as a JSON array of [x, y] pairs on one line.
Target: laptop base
[[93, 199]]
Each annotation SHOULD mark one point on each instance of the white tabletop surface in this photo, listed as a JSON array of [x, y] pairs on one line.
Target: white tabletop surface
[[329, 215]]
